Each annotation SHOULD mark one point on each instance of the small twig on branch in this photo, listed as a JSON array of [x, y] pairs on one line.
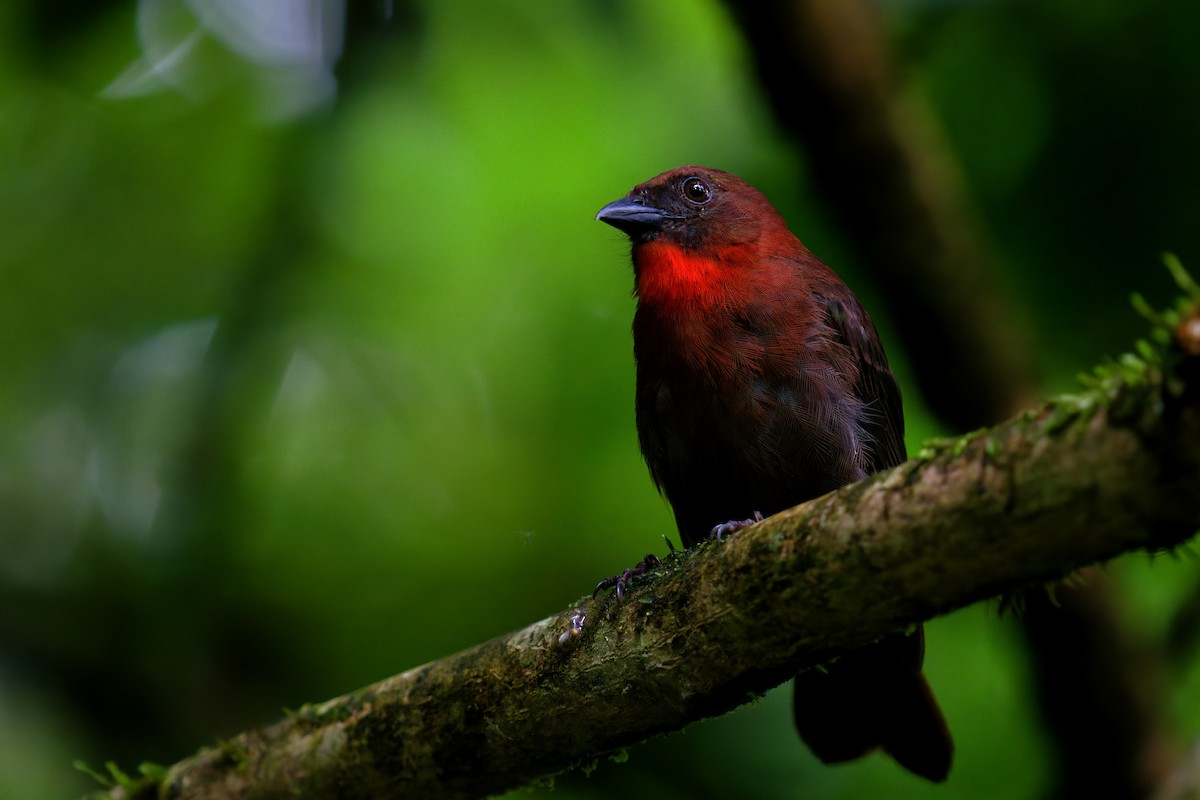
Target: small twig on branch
[[1080, 481]]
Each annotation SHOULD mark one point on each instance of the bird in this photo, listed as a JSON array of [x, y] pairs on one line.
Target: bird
[[761, 382]]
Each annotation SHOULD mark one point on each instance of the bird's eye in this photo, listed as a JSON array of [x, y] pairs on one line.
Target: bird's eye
[[696, 191]]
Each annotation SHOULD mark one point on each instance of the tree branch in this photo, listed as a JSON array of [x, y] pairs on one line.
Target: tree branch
[[1079, 481]]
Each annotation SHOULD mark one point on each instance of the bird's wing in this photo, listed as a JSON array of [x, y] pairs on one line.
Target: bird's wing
[[874, 383]]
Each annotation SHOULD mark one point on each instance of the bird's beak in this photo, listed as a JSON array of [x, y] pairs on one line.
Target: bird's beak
[[632, 215]]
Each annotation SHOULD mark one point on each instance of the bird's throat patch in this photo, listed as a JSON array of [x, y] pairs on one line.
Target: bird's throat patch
[[667, 273]]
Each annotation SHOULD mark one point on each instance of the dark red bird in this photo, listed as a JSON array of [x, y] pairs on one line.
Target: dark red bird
[[761, 383]]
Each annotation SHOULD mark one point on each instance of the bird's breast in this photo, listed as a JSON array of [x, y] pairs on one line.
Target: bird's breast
[[773, 424]]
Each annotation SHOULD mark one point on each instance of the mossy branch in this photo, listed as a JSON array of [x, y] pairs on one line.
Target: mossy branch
[[1081, 480]]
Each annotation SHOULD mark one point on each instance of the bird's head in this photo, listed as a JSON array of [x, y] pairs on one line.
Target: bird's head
[[698, 235], [695, 208]]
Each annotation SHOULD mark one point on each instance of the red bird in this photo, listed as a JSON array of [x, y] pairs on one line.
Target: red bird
[[761, 383]]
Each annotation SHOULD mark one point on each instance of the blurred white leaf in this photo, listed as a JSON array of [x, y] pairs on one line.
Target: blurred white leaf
[[289, 48]]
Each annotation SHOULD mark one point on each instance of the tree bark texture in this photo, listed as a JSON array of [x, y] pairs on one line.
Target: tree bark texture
[[1079, 481]]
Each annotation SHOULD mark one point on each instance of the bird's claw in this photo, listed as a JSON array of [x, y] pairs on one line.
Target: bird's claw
[[622, 579], [719, 532]]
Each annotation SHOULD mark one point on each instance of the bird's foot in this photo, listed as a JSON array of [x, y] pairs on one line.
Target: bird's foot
[[621, 579], [719, 532]]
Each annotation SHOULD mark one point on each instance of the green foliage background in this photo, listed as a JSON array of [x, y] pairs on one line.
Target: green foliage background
[[290, 406]]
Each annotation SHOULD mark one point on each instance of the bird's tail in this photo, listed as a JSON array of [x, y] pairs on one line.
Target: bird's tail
[[875, 697]]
